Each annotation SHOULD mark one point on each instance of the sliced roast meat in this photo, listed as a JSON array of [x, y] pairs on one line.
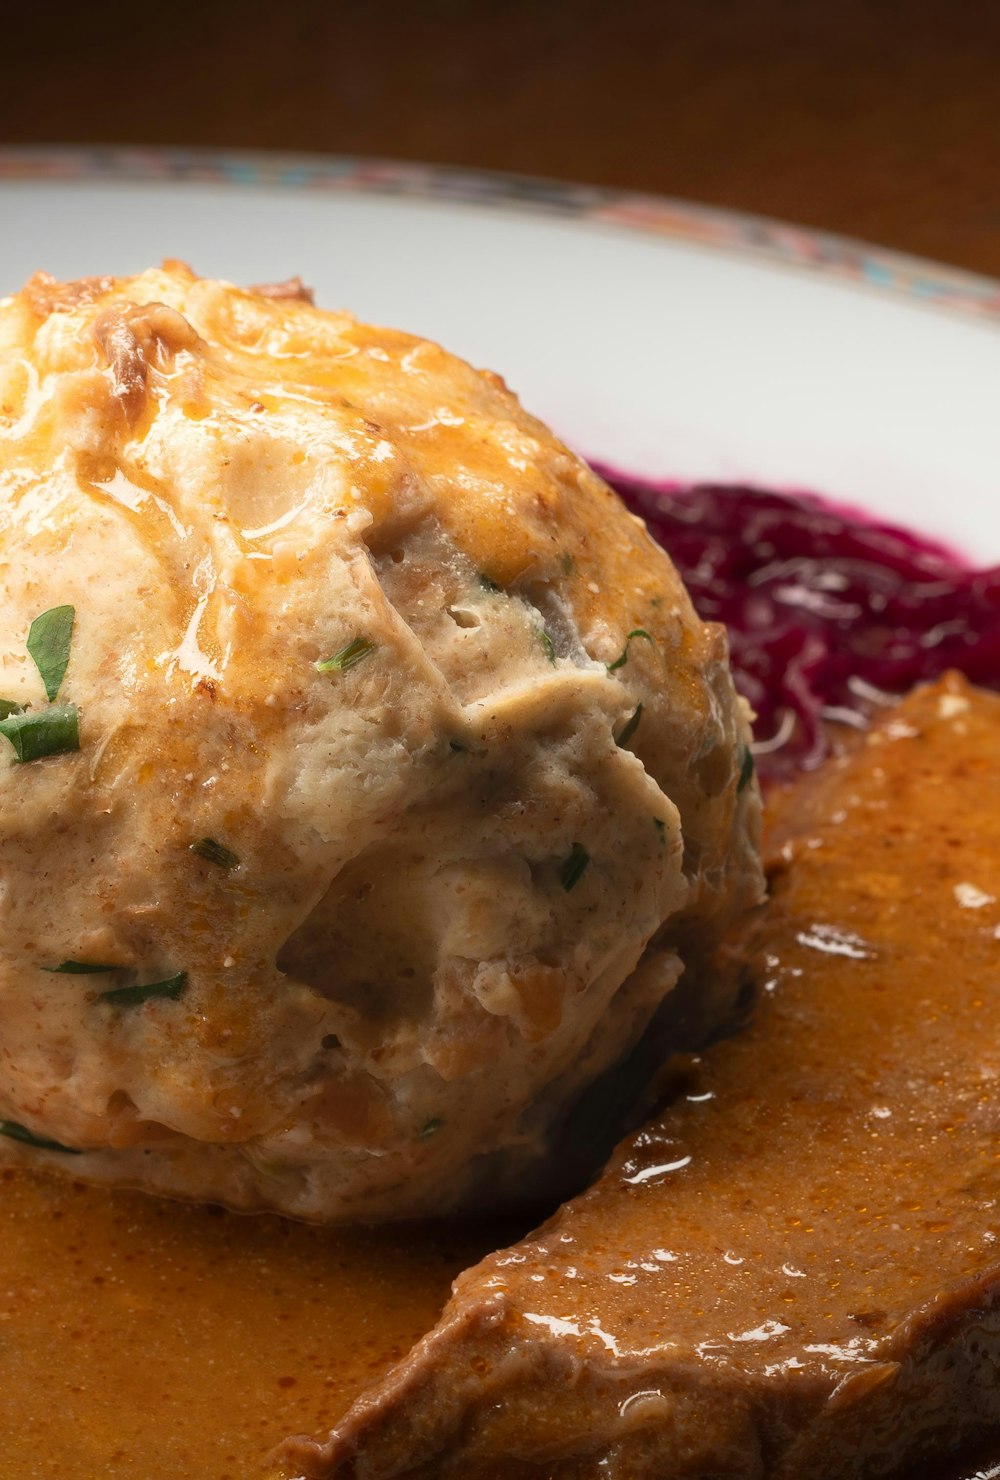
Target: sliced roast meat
[[794, 1271]]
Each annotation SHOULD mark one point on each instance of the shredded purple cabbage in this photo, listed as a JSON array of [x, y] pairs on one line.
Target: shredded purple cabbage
[[830, 615]]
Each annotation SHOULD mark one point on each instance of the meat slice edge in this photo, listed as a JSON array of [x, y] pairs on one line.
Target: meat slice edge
[[794, 1270]]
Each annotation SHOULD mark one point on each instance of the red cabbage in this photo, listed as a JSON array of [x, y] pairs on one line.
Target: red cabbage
[[830, 614]]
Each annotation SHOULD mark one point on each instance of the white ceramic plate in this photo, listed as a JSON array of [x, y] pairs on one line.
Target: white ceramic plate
[[663, 338]]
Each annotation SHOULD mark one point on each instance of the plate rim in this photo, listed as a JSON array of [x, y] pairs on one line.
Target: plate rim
[[693, 223]]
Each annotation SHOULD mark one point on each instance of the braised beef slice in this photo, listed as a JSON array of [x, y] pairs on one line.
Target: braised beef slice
[[794, 1270]]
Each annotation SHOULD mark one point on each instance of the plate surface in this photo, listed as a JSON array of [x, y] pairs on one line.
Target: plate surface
[[664, 338]]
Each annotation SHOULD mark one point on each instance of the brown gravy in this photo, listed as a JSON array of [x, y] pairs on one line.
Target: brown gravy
[[148, 1340]]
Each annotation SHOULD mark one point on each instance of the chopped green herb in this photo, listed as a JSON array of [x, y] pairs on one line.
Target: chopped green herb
[[359, 648], [567, 563], [746, 771], [629, 728], [21, 1133], [52, 731], [214, 852], [81, 968], [660, 825], [546, 642], [8, 707], [571, 869], [172, 988], [457, 746], [622, 658], [432, 1126], [49, 639], [489, 584]]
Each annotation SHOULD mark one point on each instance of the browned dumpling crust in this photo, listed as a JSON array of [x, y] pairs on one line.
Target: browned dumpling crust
[[383, 838]]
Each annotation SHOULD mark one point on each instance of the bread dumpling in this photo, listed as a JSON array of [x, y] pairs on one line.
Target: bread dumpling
[[367, 777]]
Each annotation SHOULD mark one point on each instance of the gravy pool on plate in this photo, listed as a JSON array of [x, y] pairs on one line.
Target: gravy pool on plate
[[149, 1340]]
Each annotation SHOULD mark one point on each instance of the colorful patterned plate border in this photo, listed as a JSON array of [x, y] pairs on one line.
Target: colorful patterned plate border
[[678, 220]]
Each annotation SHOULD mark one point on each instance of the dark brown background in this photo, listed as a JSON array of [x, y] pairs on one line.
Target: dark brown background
[[880, 120]]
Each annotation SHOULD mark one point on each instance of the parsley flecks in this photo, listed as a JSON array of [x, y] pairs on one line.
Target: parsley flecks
[[567, 563], [546, 642], [746, 770], [572, 869], [660, 825], [629, 727], [489, 584], [622, 658], [49, 640], [81, 968], [350, 654], [54, 731], [21, 1133], [214, 852], [171, 988], [431, 1127], [457, 747]]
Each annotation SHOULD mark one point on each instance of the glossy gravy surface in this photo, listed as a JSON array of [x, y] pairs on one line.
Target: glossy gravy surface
[[148, 1340]]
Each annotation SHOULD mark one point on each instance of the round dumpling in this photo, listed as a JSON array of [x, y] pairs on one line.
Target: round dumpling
[[367, 778]]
